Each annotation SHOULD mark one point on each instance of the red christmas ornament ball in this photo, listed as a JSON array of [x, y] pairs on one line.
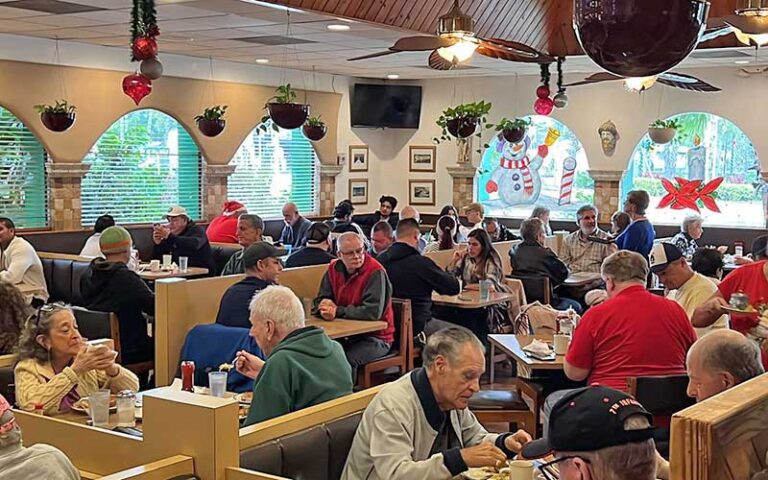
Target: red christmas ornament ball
[[144, 48], [542, 91], [543, 106], [137, 87]]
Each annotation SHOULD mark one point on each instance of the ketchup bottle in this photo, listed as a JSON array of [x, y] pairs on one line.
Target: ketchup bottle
[[188, 376]]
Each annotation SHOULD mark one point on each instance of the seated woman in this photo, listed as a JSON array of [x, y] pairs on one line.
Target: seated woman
[[446, 229], [690, 231], [13, 311], [56, 367]]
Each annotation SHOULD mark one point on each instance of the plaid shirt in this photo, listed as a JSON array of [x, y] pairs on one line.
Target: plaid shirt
[[581, 255]]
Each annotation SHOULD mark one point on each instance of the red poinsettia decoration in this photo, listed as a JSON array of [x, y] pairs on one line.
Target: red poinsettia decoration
[[687, 193]]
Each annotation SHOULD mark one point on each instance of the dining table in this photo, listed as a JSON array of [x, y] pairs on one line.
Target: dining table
[[147, 274], [471, 299], [512, 345], [343, 327], [580, 279]]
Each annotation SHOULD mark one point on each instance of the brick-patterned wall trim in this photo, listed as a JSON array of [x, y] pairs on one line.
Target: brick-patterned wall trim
[[606, 196], [463, 176], [215, 192], [65, 208], [328, 174], [606, 175]]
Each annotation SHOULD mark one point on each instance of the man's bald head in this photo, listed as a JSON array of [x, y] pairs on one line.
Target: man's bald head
[[290, 213], [721, 360], [409, 212]]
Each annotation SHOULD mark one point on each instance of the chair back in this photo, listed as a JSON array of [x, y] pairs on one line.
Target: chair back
[[403, 325], [93, 324], [537, 288], [661, 396]]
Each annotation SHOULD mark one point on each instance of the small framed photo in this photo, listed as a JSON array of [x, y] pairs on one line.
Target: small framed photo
[[421, 192], [358, 191], [358, 158], [423, 159]]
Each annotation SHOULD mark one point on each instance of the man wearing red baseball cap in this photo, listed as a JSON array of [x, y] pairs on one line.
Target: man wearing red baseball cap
[[223, 229]]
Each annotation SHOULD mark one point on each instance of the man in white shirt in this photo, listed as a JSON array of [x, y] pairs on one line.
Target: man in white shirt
[[688, 288], [19, 263], [474, 212]]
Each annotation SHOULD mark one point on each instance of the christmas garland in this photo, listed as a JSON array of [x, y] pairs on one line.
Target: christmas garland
[[143, 30]]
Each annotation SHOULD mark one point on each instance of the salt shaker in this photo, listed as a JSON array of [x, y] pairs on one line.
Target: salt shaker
[[126, 413]]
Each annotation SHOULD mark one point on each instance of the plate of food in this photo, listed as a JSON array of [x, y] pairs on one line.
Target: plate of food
[[83, 406], [244, 398], [749, 311], [487, 473], [242, 413]]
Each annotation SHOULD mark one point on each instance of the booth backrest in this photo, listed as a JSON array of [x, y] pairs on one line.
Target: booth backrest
[[288, 457], [62, 276], [221, 253]]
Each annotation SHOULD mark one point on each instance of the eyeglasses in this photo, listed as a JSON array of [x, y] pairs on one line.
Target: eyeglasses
[[354, 253], [45, 308], [550, 471]]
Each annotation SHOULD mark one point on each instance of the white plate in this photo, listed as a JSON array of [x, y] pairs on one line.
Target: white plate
[[245, 398]]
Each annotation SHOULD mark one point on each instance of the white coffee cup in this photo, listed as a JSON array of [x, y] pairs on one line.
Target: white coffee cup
[[520, 470], [167, 260], [154, 266], [561, 344]]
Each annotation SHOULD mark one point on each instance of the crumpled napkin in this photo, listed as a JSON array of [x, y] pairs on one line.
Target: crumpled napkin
[[537, 347]]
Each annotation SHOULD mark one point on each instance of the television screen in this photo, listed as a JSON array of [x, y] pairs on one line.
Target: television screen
[[393, 106]]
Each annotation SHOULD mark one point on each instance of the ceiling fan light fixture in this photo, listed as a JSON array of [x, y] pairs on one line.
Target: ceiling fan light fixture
[[638, 84], [455, 22], [459, 52]]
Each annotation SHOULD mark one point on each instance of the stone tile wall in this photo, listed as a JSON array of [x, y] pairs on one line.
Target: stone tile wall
[[463, 176], [328, 174], [64, 208], [606, 192], [215, 189]]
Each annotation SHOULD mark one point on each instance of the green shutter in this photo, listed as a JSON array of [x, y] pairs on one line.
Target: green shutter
[[23, 189], [143, 164], [274, 168]]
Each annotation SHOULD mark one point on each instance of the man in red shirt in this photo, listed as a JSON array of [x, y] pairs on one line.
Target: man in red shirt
[[751, 279], [634, 333]]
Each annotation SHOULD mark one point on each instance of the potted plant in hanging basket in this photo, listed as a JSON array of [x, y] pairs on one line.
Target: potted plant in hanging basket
[[211, 122], [58, 117], [462, 120], [283, 111], [513, 131], [314, 128], [663, 131]]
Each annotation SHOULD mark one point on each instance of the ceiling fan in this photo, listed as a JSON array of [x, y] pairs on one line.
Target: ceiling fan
[[639, 84], [456, 42]]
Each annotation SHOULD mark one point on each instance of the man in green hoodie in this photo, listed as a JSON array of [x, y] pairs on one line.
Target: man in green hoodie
[[303, 368]]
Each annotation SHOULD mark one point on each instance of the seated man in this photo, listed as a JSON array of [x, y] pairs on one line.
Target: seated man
[[249, 230], [634, 333], [356, 286], [262, 267], [385, 213], [474, 212], [533, 258], [580, 253], [19, 263], [412, 213], [497, 231], [420, 426], [295, 230], [686, 287], [110, 286], [382, 236], [38, 461], [223, 229], [708, 262], [316, 251], [303, 368], [597, 433], [415, 277], [182, 238]]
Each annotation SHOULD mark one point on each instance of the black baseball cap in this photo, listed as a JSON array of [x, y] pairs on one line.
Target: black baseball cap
[[260, 251], [318, 232], [589, 419], [662, 254]]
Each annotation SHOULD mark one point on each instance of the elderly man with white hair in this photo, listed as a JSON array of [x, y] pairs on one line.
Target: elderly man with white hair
[[303, 368]]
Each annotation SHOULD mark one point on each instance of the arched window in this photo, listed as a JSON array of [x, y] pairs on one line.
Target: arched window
[[274, 168], [23, 190], [705, 148], [143, 164], [548, 168]]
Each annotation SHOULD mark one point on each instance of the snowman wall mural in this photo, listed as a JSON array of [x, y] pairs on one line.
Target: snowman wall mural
[[546, 167]]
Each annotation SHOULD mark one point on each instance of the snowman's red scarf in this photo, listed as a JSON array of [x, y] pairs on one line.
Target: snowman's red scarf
[[521, 165]]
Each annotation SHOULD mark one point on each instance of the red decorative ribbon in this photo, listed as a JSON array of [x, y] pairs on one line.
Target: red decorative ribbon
[[687, 193]]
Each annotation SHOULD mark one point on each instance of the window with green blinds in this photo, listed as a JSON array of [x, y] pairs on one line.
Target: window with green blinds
[[23, 190], [274, 168], [145, 163]]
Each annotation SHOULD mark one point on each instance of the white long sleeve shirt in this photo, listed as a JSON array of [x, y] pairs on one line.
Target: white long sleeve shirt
[[91, 248], [20, 266]]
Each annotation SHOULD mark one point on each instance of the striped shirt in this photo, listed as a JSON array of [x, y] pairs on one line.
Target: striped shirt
[[582, 255]]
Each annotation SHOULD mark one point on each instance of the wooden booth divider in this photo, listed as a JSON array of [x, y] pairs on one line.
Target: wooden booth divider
[[443, 257]]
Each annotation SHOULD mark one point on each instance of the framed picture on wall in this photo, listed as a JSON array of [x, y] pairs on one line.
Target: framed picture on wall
[[421, 192], [423, 158], [358, 158], [358, 191]]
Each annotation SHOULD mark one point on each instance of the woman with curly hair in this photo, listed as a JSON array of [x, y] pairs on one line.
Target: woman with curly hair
[[13, 311]]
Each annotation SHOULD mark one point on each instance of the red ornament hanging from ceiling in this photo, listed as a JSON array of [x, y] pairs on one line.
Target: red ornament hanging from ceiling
[[137, 86], [543, 104], [144, 31], [688, 194]]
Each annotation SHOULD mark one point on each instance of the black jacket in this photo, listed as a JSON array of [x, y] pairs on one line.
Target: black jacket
[[367, 221], [112, 287], [505, 235], [233, 309], [530, 258], [308, 256], [191, 243], [414, 277]]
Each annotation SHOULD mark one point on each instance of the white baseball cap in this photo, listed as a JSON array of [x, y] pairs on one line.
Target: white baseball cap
[[176, 211]]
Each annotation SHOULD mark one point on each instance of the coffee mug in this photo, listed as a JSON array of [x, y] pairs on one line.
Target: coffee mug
[[561, 344], [520, 470], [154, 266]]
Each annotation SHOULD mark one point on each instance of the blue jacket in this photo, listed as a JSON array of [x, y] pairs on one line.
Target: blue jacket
[[233, 309], [638, 237], [295, 235]]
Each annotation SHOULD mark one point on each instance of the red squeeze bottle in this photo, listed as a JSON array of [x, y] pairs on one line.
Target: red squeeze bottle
[[188, 376]]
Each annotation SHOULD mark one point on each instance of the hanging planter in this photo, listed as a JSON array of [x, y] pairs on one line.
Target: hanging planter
[[663, 131], [462, 127], [282, 110], [314, 129], [58, 117], [463, 121], [211, 122], [513, 131]]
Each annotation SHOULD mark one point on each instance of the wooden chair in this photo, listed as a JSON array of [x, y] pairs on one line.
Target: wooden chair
[[535, 287], [518, 405], [400, 354]]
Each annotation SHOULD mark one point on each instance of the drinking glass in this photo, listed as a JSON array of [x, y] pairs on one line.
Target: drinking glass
[[485, 290], [183, 264], [99, 407], [167, 260], [217, 382]]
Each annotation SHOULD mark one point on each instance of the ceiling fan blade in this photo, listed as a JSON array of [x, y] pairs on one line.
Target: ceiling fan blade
[[595, 78], [685, 82], [422, 43], [715, 32], [437, 62], [373, 55], [511, 51]]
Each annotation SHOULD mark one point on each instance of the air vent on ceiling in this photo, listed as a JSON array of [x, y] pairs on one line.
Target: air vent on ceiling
[[274, 40], [719, 54], [52, 6]]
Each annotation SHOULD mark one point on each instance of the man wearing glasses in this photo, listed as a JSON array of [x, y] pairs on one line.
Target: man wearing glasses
[[597, 433], [356, 287]]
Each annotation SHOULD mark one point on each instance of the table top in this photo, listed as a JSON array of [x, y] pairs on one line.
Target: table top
[[513, 345], [191, 272], [83, 419], [471, 299], [342, 327], [582, 278]]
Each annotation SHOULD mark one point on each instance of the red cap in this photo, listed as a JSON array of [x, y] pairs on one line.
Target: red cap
[[233, 207]]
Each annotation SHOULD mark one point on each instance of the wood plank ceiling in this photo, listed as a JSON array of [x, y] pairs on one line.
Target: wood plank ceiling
[[543, 24]]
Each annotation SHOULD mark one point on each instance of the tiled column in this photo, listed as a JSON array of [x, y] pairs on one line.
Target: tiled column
[[65, 209], [215, 192], [606, 192], [463, 176], [328, 174]]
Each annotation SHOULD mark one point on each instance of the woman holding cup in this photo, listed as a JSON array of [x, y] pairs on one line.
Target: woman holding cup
[[56, 367]]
